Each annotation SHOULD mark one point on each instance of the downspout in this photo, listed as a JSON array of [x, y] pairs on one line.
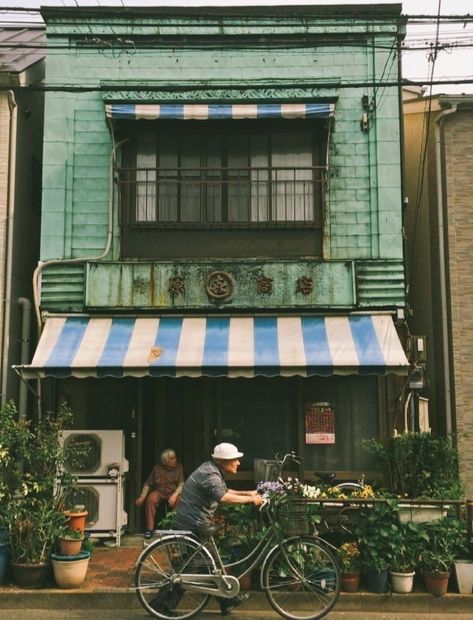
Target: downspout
[[25, 353], [443, 275], [9, 242]]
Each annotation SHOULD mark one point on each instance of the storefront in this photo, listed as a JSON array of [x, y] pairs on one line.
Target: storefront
[[313, 384]]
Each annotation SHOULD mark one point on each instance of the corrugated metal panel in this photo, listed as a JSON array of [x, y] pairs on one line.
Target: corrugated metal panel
[[62, 288], [27, 47], [380, 283]]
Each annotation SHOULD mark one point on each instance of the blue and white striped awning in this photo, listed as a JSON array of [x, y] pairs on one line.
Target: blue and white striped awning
[[217, 346], [236, 111]]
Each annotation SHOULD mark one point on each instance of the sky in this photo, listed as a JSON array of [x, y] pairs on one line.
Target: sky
[[451, 62]]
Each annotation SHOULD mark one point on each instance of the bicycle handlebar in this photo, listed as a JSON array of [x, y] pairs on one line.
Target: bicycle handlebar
[[290, 455]]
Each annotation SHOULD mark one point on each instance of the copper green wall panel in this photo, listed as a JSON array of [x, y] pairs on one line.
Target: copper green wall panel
[[146, 285], [363, 201]]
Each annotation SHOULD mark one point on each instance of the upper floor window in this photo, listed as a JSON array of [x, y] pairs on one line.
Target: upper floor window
[[223, 174], [222, 188]]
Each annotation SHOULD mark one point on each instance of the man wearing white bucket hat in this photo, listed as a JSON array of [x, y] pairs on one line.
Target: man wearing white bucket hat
[[204, 490]]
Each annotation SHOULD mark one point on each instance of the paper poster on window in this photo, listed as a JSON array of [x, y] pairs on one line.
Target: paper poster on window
[[319, 423]]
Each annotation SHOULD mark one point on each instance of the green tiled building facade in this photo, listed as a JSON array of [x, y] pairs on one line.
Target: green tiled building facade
[[226, 162]]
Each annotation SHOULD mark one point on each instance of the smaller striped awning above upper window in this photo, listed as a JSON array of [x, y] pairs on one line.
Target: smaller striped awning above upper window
[[224, 111]]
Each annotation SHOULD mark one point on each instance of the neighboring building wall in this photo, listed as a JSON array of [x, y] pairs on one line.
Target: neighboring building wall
[[4, 168], [21, 69], [458, 145], [423, 261], [26, 223], [422, 243]]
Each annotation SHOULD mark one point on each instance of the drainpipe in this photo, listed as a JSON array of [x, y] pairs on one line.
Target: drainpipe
[[442, 268], [9, 242], [25, 353]]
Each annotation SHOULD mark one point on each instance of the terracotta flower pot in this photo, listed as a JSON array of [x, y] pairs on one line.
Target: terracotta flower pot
[[77, 520], [245, 582], [69, 546], [351, 581], [436, 582]]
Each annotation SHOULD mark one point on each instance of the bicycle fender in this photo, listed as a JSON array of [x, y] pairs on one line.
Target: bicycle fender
[[177, 538]]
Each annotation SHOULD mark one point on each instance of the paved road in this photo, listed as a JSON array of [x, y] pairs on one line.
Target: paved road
[[138, 614]]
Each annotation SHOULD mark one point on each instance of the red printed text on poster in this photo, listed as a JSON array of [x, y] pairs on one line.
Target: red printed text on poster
[[319, 423]]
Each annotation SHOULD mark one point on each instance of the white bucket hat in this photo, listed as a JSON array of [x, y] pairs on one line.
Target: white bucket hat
[[226, 451]]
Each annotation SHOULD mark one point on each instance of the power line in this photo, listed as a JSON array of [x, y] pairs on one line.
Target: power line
[[165, 86], [423, 161]]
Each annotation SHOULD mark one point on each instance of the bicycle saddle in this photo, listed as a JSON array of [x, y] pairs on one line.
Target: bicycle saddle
[[326, 476]]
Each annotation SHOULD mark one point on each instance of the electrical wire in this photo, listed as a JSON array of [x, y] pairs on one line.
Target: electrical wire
[[422, 164]]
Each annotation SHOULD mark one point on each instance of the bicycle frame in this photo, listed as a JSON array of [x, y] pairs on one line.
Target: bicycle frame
[[227, 586], [180, 562]]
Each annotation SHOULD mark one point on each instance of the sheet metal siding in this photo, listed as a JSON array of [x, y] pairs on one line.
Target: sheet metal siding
[[145, 285], [360, 223]]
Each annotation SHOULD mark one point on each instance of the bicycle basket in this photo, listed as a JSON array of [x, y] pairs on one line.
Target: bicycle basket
[[266, 470], [295, 518]]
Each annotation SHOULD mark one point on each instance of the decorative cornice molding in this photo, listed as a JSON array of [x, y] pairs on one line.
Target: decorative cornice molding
[[223, 94]]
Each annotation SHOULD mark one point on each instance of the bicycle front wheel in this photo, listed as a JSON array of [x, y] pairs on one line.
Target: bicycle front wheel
[[301, 579], [157, 577]]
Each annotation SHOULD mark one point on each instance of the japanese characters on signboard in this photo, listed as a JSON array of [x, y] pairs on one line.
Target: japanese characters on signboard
[[319, 423]]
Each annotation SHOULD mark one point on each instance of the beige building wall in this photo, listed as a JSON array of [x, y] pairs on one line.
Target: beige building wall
[[458, 156], [422, 244], [421, 239], [4, 168]]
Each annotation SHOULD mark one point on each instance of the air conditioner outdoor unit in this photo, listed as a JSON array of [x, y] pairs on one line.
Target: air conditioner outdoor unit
[[93, 453], [97, 458], [103, 500]]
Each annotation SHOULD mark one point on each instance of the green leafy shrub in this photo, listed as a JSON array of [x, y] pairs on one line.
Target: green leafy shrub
[[418, 465], [34, 484], [444, 540], [409, 540], [376, 530]]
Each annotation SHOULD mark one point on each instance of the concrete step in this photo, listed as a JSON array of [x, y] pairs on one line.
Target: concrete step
[[361, 602]]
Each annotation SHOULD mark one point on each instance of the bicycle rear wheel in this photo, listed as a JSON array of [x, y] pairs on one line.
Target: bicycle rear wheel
[[156, 588], [301, 579]]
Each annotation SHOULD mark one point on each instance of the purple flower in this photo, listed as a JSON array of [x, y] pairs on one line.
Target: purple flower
[[270, 487]]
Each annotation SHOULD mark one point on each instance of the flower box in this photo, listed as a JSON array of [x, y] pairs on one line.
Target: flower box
[[421, 513]]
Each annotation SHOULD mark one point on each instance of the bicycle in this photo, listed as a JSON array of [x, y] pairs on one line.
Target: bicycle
[[176, 574], [330, 477]]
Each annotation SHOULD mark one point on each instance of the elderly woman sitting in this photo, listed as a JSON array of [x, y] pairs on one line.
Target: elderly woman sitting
[[164, 484]]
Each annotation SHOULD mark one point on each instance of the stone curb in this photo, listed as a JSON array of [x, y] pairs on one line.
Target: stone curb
[[126, 599]]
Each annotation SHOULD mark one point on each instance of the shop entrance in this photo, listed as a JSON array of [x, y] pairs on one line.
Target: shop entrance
[[192, 415]]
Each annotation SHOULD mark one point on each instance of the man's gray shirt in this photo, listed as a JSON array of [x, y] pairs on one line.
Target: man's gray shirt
[[200, 496]]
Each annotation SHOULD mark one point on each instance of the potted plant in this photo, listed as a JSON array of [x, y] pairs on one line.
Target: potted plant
[[69, 542], [70, 570], [376, 528], [77, 516], [33, 487], [349, 560], [405, 556], [418, 465], [33, 529], [239, 535], [438, 554]]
